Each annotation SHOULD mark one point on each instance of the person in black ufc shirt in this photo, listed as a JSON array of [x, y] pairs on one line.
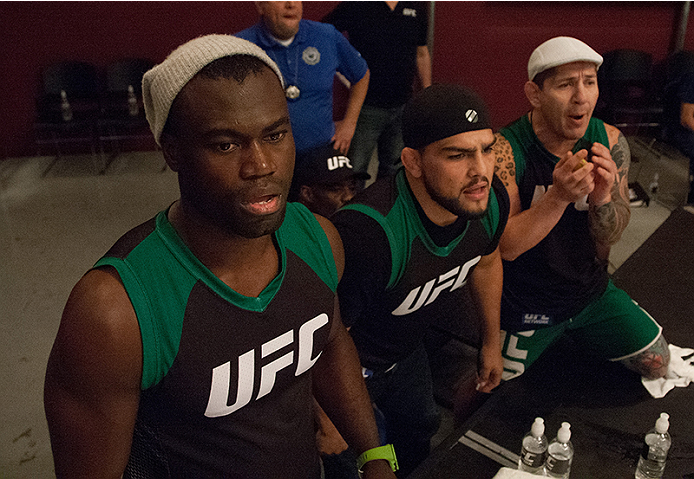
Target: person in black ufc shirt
[[392, 38], [195, 346], [411, 243]]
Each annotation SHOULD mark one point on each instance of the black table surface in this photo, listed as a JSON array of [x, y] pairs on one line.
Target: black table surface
[[607, 406]]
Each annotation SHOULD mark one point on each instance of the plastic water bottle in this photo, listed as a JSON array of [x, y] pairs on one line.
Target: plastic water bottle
[[560, 453], [534, 451], [653, 185], [65, 108], [656, 445], [133, 108]]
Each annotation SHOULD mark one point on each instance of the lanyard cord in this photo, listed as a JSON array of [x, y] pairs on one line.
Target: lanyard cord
[[292, 91]]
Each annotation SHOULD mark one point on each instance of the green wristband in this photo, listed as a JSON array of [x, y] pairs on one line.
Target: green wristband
[[386, 452]]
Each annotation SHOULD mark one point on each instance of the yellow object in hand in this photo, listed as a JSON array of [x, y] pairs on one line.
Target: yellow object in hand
[[581, 164]]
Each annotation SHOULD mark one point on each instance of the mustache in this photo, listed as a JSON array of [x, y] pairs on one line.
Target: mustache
[[265, 183], [477, 181]]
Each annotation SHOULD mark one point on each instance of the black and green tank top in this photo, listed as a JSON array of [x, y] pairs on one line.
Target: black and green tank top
[[397, 279], [226, 388], [557, 278]]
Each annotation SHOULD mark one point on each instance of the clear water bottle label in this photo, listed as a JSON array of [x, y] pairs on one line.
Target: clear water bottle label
[[532, 459], [653, 454], [558, 466]]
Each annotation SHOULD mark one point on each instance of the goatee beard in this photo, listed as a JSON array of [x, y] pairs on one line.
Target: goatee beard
[[454, 206]]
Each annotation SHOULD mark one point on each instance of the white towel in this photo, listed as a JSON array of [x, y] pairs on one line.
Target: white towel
[[680, 373], [508, 473]]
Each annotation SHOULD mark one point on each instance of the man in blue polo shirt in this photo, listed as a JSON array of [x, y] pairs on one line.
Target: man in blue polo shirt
[[308, 54]]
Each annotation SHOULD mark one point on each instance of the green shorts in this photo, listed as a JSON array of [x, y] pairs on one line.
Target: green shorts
[[612, 327]]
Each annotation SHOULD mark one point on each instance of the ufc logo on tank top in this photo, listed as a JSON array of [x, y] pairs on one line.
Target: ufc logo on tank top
[[217, 404], [427, 294]]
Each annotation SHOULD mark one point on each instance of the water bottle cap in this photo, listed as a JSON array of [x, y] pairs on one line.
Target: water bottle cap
[[538, 427], [663, 423], [564, 433]]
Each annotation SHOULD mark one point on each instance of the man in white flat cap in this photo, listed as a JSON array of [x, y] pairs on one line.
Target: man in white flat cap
[[195, 346], [566, 176]]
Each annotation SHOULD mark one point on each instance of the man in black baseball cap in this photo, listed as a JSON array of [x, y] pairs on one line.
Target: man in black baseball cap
[[411, 243], [325, 180]]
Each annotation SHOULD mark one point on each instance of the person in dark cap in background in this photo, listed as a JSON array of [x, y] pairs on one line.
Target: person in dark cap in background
[[566, 174], [411, 242], [325, 180]]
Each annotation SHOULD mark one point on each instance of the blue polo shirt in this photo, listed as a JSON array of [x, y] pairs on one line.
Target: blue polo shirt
[[310, 63]]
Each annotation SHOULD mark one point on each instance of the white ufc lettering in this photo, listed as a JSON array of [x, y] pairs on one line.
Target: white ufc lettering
[[512, 368], [427, 294], [336, 162], [217, 404]]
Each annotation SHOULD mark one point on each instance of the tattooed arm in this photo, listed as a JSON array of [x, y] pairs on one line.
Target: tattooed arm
[[609, 202], [525, 229], [651, 363], [505, 166]]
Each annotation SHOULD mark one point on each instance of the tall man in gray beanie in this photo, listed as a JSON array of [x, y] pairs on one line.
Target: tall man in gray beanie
[[566, 175], [411, 243], [194, 347]]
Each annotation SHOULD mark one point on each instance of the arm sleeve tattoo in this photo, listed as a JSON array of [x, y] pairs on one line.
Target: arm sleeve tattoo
[[651, 363], [607, 222], [505, 167]]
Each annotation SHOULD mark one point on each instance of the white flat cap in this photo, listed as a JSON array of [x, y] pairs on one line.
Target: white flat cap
[[161, 84], [560, 51]]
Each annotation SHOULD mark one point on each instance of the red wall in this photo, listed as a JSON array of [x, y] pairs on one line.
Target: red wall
[[487, 44], [483, 44], [36, 34]]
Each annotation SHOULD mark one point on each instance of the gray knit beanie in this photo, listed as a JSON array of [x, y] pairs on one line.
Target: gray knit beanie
[[161, 84]]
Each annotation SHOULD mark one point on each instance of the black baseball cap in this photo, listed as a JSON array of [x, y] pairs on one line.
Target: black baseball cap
[[324, 165], [440, 111]]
